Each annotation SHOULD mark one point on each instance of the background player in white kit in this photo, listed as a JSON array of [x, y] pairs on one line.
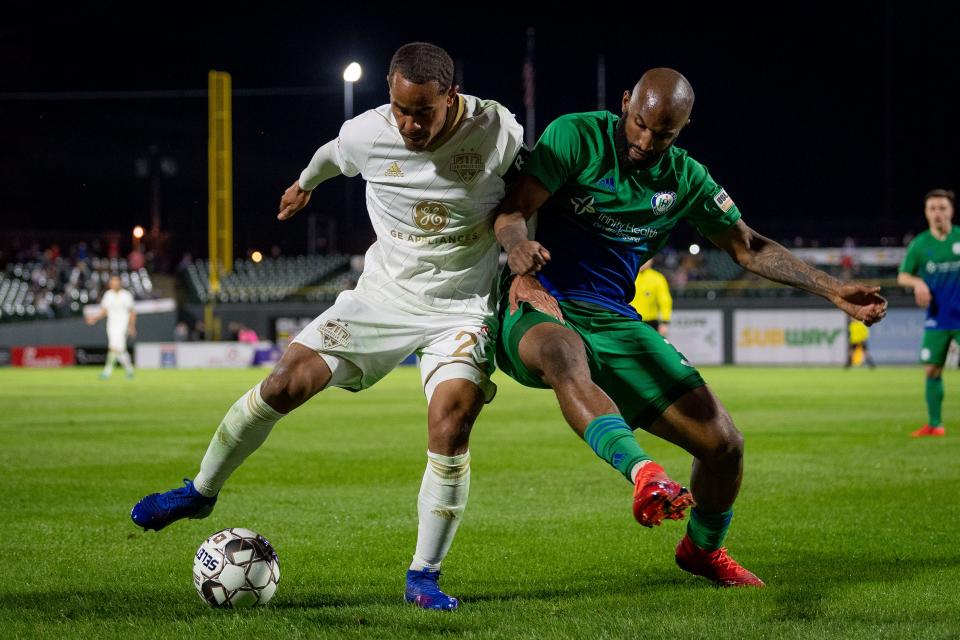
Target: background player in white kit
[[434, 162], [116, 306]]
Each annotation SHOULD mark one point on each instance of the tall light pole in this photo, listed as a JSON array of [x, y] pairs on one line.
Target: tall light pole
[[351, 74]]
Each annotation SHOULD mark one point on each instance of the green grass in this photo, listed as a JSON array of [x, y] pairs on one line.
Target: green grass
[[852, 523]]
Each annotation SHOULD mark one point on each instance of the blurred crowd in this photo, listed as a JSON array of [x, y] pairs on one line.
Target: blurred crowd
[[52, 282]]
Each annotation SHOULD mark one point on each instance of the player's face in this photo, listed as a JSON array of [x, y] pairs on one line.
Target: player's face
[[420, 110], [939, 212], [115, 284], [646, 131]]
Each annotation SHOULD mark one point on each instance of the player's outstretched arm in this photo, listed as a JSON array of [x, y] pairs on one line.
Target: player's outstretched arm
[[921, 292], [92, 320], [524, 197], [769, 259], [324, 164], [292, 200]]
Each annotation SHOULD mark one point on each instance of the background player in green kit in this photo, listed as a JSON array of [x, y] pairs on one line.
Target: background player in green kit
[[932, 269], [609, 190]]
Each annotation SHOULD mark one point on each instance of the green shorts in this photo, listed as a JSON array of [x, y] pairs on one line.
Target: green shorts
[[637, 367], [936, 343]]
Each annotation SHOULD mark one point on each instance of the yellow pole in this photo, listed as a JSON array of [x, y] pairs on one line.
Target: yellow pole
[[220, 189]]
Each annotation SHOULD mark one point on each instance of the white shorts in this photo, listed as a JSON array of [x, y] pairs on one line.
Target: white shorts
[[363, 339], [117, 339]]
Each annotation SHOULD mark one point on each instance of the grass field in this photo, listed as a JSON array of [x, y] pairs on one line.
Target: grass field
[[852, 523]]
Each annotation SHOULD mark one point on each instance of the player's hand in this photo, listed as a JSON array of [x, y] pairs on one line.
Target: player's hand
[[663, 329], [527, 257], [293, 199], [921, 293], [91, 320], [528, 289], [132, 332], [862, 302]]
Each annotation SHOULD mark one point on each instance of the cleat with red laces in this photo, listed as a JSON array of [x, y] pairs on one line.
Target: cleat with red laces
[[657, 498], [716, 566], [927, 430]]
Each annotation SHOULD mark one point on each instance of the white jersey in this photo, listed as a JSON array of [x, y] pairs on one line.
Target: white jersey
[[118, 306], [431, 210]]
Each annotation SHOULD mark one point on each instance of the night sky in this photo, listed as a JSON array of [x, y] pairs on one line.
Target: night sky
[[820, 122]]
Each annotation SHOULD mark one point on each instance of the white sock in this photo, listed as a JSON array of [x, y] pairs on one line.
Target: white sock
[[443, 497], [108, 366], [636, 470], [124, 359], [244, 428]]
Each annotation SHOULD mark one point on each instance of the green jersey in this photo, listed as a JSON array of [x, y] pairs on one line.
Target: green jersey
[[937, 262], [602, 221]]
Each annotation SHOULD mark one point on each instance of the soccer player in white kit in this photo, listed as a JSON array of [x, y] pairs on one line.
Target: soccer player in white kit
[[435, 163], [116, 306]]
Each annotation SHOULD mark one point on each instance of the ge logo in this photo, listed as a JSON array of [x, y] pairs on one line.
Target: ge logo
[[931, 267], [431, 216], [582, 205]]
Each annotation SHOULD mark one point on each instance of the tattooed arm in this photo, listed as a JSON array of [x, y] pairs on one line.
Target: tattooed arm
[[769, 259]]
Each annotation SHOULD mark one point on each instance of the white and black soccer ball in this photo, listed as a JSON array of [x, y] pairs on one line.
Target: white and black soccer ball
[[236, 568]]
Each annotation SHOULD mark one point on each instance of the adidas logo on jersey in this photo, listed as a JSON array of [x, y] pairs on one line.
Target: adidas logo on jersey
[[607, 184], [394, 171]]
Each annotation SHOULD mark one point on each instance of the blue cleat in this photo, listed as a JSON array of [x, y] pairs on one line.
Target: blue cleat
[[157, 510], [423, 591]]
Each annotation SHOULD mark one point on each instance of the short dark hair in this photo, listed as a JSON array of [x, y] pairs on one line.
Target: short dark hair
[[939, 193], [422, 62]]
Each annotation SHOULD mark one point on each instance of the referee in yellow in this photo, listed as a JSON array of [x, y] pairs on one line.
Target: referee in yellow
[[857, 350], [653, 300]]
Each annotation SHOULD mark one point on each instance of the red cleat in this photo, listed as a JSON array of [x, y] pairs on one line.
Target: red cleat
[[716, 566], [927, 430], [656, 497]]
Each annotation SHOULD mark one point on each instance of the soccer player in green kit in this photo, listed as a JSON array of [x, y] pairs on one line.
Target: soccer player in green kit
[[932, 269], [609, 190]]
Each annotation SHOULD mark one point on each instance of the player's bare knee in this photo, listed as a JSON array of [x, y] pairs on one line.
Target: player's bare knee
[[450, 437], [286, 388], [726, 451], [450, 424], [933, 371], [453, 409]]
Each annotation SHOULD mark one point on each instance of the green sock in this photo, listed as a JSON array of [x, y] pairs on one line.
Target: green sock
[[707, 530], [934, 400], [611, 439]]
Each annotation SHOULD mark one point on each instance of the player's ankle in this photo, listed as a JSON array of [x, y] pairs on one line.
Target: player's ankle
[[636, 469]]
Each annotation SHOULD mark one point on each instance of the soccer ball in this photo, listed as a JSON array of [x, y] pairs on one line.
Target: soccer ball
[[236, 568]]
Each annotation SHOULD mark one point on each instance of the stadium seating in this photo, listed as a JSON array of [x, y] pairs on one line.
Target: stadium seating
[[328, 289], [56, 289], [270, 280]]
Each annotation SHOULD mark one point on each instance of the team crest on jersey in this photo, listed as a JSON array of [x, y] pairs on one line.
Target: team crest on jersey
[[334, 335], [467, 165], [723, 200], [663, 201], [431, 216], [393, 171], [582, 205]]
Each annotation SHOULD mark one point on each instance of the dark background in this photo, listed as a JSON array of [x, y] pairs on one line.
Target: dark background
[[821, 120]]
